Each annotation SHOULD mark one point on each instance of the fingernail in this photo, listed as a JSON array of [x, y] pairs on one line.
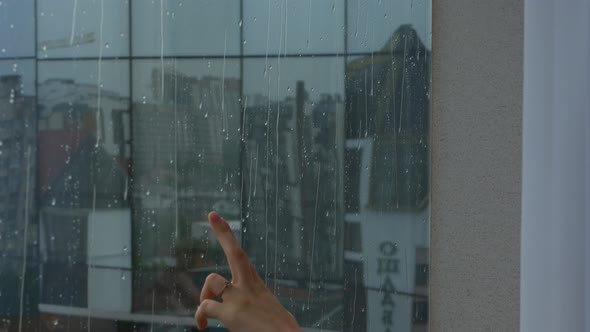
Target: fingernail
[[215, 217]]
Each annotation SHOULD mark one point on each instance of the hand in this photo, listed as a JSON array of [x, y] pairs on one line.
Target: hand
[[247, 304]]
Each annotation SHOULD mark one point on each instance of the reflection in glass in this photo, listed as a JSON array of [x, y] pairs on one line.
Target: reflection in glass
[[294, 27], [319, 158], [294, 137], [371, 23], [80, 28], [84, 165], [387, 135], [18, 230], [186, 148], [177, 28]]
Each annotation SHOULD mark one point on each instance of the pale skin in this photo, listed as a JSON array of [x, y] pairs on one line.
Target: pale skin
[[248, 305]]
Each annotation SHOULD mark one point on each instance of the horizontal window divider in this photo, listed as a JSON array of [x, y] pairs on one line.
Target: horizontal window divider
[[205, 57], [16, 58]]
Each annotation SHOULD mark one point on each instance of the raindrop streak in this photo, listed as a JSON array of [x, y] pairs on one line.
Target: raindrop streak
[[24, 268], [372, 61], [256, 170], [176, 147], [99, 76], [250, 158], [267, 41], [315, 221], [153, 301], [309, 25], [335, 197], [403, 84], [367, 24], [366, 108], [223, 115], [126, 192], [73, 22], [358, 14], [250, 169], [277, 152], [267, 158], [394, 134], [354, 300], [407, 277], [91, 243], [286, 25], [244, 117], [162, 47], [363, 309]]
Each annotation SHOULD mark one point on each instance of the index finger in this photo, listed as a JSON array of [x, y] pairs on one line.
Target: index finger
[[238, 261]]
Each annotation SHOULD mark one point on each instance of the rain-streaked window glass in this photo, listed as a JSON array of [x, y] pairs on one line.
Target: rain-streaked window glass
[[306, 124]]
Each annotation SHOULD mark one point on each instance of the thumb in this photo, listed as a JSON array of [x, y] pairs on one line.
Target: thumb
[[207, 309]]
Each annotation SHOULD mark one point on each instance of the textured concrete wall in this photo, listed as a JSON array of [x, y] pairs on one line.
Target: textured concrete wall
[[476, 165]]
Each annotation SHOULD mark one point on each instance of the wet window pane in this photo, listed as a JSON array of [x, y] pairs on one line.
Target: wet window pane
[[82, 28], [17, 28], [304, 123], [294, 138], [186, 150], [176, 27], [294, 27]]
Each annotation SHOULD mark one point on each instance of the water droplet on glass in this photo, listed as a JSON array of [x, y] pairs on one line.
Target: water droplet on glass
[[153, 225], [53, 202], [201, 105], [240, 23], [107, 45], [123, 276], [125, 249], [147, 193]]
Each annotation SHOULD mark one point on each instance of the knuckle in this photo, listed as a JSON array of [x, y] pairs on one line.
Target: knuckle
[[210, 278], [204, 305]]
